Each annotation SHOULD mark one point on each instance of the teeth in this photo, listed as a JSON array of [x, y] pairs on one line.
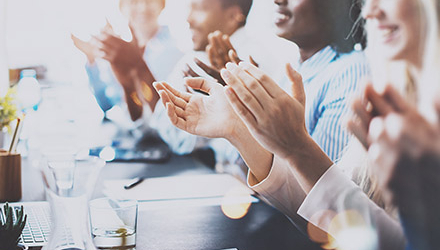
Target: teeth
[[281, 17], [387, 32]]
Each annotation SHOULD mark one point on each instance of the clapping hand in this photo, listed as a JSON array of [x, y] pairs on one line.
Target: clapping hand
[[400, 141], [274, 118], [220, 51], [204, 115]]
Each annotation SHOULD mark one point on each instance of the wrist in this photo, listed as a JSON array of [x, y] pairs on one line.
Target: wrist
[[238, 134], [309, 162]]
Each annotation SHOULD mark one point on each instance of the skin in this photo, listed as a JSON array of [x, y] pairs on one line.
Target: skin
[[298, 21], [402, 145], [207, 16], [396, 30], [126, 58]]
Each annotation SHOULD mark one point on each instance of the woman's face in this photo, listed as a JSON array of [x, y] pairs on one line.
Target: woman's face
[[143, 14], [394, 28]]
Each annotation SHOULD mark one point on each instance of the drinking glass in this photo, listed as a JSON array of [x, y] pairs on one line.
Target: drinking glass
[[69, 182], [113, 223]]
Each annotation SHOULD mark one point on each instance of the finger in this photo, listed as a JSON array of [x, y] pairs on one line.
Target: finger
[[212, 50], [227, 43], [297, 84], [220, 48], [168, 96], [210, 71], [361, 112], [202, 84], [108, 27], [254, 87], [233, 57], [171, 90], [379, 104], [251, 59], [239, 108], [134, 39], [177, 121], [191, 72], [395, 99], [269, 85], [245, 96], [359, 131]]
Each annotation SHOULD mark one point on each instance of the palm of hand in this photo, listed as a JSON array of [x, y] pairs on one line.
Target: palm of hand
[[210, 116]]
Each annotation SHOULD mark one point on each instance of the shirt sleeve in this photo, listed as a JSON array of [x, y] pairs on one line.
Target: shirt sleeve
[[105, 87], [329, 132], [336, 196], [281, 189]]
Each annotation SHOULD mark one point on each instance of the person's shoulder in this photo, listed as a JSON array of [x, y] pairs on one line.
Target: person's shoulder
[[352, 64]]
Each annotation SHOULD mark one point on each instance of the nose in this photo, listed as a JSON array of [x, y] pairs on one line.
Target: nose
[[190, 18], [280, 2], [371, 9]]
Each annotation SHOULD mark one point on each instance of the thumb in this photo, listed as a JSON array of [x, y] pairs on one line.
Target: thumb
[[202, 84], [133, 34], [297, 84]]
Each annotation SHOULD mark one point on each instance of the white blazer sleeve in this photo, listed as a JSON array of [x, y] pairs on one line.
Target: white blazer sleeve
[[333, 192], [281, 189]]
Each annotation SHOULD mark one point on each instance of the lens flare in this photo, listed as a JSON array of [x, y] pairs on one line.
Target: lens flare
[[235, 204]]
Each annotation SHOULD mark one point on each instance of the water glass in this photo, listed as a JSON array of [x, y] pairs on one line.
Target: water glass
[[113, 223]]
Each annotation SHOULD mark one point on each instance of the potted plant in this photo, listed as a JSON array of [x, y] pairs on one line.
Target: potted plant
[[10, 231], [8, 113]]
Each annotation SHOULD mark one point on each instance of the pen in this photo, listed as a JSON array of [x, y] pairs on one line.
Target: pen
[[135, 182]]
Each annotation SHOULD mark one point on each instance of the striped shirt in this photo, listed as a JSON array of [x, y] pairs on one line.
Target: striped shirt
[[330, 80]]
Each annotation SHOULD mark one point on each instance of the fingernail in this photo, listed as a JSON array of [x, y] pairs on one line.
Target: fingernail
[[231, 66], [225, 74]]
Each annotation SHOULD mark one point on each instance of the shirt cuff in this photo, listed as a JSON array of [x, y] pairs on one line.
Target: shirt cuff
[[324, 197], [271, 183]]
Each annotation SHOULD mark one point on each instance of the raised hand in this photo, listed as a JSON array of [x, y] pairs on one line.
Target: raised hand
[[274, 118], [208, 116], [89, 48], [121, 54], [371, 104], [401, 140]]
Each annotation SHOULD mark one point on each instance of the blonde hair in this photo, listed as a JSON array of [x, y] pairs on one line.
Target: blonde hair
[[417, 91]]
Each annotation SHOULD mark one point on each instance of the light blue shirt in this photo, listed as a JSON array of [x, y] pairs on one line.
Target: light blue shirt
[[161, 55], [330, 81]]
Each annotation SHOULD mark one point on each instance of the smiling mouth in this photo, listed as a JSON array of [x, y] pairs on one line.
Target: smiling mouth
[[388, 33], [281, 18]]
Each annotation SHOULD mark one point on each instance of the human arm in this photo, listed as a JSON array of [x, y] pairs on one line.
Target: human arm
[[211, 116], [88, 48], [404, 150], [131, 71], [259, 101]]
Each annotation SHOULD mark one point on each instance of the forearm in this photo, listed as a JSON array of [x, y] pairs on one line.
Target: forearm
[[308, 163], [258, 159]]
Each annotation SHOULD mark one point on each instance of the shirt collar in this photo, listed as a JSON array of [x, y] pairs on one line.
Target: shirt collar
[[317, 63]]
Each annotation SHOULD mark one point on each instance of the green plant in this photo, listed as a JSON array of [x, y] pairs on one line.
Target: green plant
[[8, 109], [10, 231]]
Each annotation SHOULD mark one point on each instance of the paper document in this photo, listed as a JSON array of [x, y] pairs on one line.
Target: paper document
[[178, 188]]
